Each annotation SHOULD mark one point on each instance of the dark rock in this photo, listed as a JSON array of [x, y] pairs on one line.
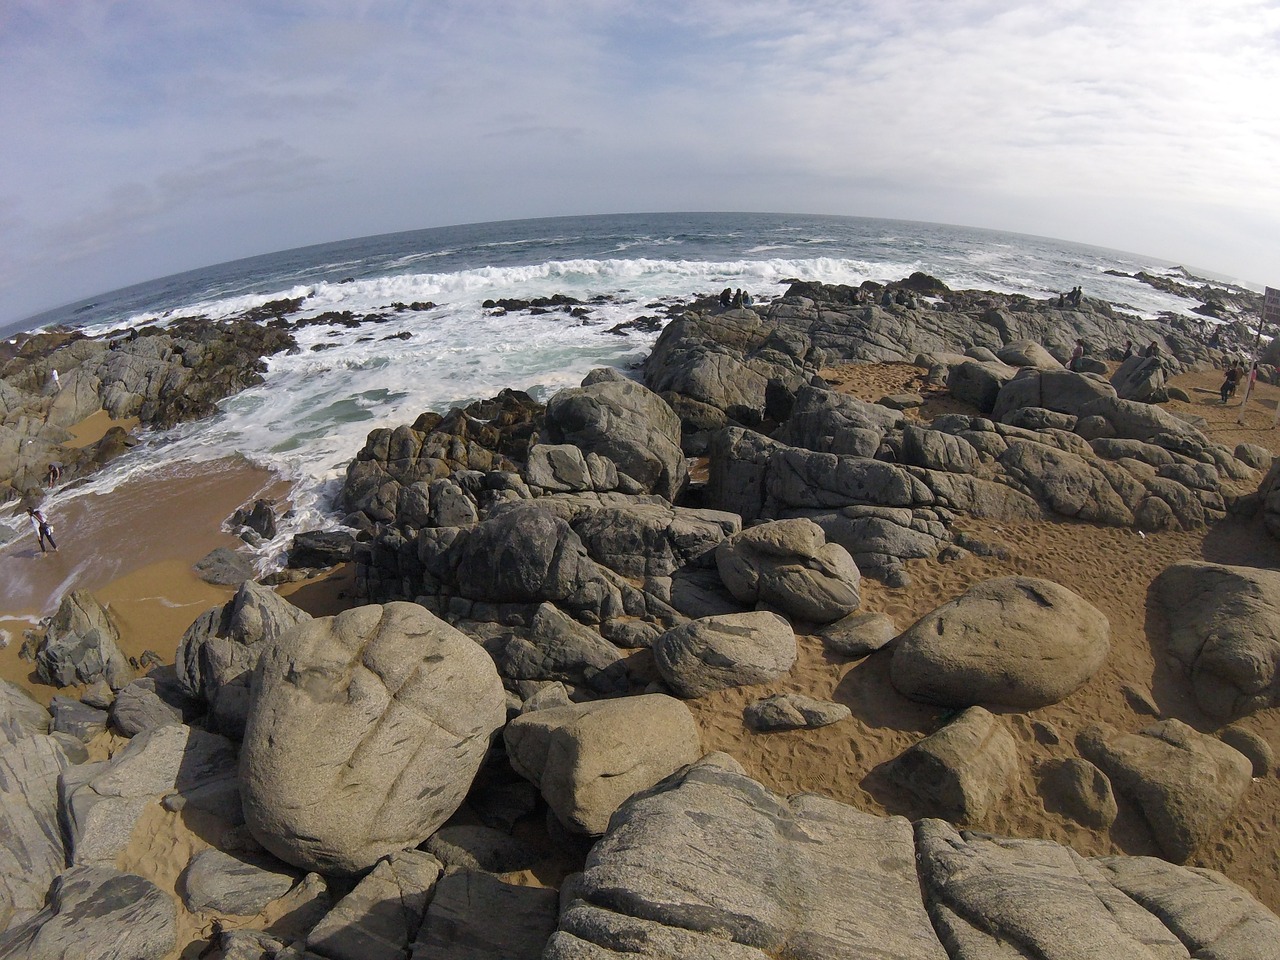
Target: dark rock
[[224, 567], [321, 548]]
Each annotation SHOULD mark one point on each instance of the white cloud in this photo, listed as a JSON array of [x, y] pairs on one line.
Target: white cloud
[[153, 136]]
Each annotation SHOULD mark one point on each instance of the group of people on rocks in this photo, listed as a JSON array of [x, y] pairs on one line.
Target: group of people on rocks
[[734, 298], [1071, 299]]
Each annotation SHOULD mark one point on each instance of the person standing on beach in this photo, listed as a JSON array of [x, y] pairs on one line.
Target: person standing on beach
[[1229, 380], [40, 523]]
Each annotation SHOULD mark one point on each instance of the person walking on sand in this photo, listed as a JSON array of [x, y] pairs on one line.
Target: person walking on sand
[[40, 523], [1229, 379]]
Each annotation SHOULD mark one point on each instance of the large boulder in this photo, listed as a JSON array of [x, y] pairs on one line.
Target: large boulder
[[1186, 784], [1141, 378], [624, 422], [82, 645], [1224, 629], [21, 715], [586, 759], [978, 383], [476, 916], [1054, 389], [789, 565], [1027, 353], [731, 650], [1014, 641], [831, 422], [364, 734]]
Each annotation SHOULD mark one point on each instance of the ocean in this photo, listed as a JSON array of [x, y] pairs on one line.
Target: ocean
[[316, 406]]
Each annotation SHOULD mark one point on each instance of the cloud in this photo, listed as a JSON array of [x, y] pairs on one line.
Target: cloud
[[150, 136]]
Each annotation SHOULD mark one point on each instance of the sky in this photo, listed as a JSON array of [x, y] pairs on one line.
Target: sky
[[147, 137]]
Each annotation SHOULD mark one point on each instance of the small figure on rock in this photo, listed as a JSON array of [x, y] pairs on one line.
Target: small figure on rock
[[1128, 350], [737, 298], [55, 473], [1075, 296], [887, 299], [1076, 355], [40, 523], [1153, 349], [54, 380], [1062, 300], [726, 297], [746, 299]]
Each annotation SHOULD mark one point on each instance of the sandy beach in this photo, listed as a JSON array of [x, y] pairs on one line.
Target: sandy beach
[[134, 549]]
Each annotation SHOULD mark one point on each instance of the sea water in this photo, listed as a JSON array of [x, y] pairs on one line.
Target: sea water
[[316, 406]]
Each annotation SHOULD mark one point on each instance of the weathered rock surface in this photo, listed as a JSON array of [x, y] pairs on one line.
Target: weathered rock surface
[[1185, 784], [379, 919], [789, 565], [626, 423], [97, 913], [1079, 790], [223, 566], [21, 715], [476, 916], [1224, 629], [586, 758], [557, 647], [32, 852], [1013, 641], [364, 733], [217, 653], [858, 634], [217, 882], [81, 645], [481, 848], [712, 653], [102, 801], [793, 711], [961, 771]]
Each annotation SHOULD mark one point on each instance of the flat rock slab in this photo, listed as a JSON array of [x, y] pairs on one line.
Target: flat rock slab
[[31, 846], [379, 919], [97, 913], [1013, 641]]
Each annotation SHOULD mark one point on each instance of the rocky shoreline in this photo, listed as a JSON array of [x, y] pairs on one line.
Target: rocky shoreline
[[554, 594]]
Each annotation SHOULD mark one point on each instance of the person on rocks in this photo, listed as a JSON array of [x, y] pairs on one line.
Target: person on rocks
[[1076, 356], [1128, 350], [746, 299], [726, 297], [1153, 349], [1062, 300], [54, 379], [40, 523], [887, 299], [55, 473], [1230, 379], [737, 298]]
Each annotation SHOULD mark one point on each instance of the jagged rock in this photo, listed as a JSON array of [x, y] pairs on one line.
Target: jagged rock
[[260, 517], [76, 719], [481, 848], [557, 647], [218, 652], [21, 715], [1224, 629], [829, 422], [961, 771], [626, 423], [1061, 390], [384, 713], [732, 650], [379, 919], [97, 913], [586, 760], [1186, 784], [102, 801], [320, 548], [224, 567], [793, 711], [473, 914], [1140, 378], [1254, 455], [1079, 790], [82, 645], [858, 634], [1012, 641], [139, 707], [559, 468], [217, 882], [788, 564], [32, 852], [522, 555]]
